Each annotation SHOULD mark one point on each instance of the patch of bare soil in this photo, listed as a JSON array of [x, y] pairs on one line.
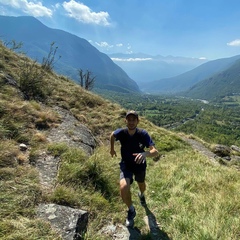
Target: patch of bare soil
[[198, 146]]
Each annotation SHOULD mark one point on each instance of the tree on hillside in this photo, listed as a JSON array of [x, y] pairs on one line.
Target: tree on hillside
[[86, 80]]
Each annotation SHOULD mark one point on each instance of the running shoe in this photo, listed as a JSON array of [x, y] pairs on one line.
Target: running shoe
[[142, 199], [130, 218]]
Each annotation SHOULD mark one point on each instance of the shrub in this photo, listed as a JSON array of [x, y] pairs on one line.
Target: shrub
[[49, 61], [31, 82]]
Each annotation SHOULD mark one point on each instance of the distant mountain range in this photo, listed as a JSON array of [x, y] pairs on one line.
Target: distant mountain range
[[76, 53], [191, 77], [144, 68], [188, 80], [224, 83]]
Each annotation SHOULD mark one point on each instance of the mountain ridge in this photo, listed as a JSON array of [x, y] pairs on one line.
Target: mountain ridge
[[220, 85], [76, 53], [186, 80], [145, 68]]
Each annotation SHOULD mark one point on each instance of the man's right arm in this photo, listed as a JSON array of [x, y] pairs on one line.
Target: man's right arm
[[112, 141]]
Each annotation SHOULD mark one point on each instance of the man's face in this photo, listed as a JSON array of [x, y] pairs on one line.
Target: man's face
[[132, 122]]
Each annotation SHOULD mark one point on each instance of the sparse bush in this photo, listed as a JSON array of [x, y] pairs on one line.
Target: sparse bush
[[31, 82], [49, 61], [32, 77], [13, 45], [22, 158]]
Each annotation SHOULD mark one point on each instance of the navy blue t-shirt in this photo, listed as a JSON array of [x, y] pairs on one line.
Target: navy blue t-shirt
[[133, 144]]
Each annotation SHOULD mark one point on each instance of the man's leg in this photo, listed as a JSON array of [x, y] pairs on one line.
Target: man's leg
[[142, 187], [127, 199], [125, 191], [140, 178]]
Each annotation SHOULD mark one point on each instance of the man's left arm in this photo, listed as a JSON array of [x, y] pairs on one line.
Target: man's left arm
[[153, 152], [141, 157]]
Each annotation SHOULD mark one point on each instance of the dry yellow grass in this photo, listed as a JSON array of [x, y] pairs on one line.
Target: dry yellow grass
[[189, 196]]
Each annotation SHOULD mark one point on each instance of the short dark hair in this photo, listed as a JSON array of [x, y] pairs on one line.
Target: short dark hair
[[132, 112]]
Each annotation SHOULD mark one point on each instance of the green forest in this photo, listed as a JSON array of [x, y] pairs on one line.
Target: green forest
[[214, 122]]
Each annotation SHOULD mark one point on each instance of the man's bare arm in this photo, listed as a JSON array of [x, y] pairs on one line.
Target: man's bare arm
[[112, 141]]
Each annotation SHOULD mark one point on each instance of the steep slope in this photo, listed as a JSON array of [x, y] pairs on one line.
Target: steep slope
[[186, 80], [183, 187], [76, 53], [225, 83]]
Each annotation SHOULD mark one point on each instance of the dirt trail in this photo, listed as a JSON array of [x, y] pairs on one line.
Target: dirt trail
[[201, 148]]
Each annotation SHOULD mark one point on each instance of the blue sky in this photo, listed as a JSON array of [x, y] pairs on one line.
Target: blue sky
[[189, 28]]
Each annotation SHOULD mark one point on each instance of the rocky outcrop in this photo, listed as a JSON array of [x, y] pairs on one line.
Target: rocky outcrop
[[72, 132], [221, 150], [217, 153], [235, 149], [69, 222]]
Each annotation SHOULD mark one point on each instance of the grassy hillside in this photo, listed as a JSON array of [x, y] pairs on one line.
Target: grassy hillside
[[189, 196], [74, 52], [214, 122], [219, 86], [190, 78]]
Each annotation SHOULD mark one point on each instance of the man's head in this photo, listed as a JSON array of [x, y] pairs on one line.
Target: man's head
[[132, 113], [132, 120]]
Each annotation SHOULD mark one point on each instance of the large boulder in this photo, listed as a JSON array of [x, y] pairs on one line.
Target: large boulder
[[70, 223], [221, 150]]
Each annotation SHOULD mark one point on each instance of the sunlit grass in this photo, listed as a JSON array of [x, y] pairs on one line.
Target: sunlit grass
[[187, 195], [194, 198]]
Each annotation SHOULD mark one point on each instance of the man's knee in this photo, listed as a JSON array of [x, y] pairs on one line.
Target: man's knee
[[125, 184]]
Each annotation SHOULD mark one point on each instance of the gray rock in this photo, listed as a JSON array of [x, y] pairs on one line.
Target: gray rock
[[221, 150], [235, 148], [120, 232], [70, 223], [72, 132]]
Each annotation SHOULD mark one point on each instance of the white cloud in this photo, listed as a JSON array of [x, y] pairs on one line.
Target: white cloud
[[203, 58], [83, 13], [104, 45], [131, 59], [57, 5], [119, 45], [234, 43], [31, 8]]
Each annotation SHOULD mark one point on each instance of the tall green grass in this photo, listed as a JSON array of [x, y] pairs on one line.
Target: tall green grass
[[188, 197], [193, 198]]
